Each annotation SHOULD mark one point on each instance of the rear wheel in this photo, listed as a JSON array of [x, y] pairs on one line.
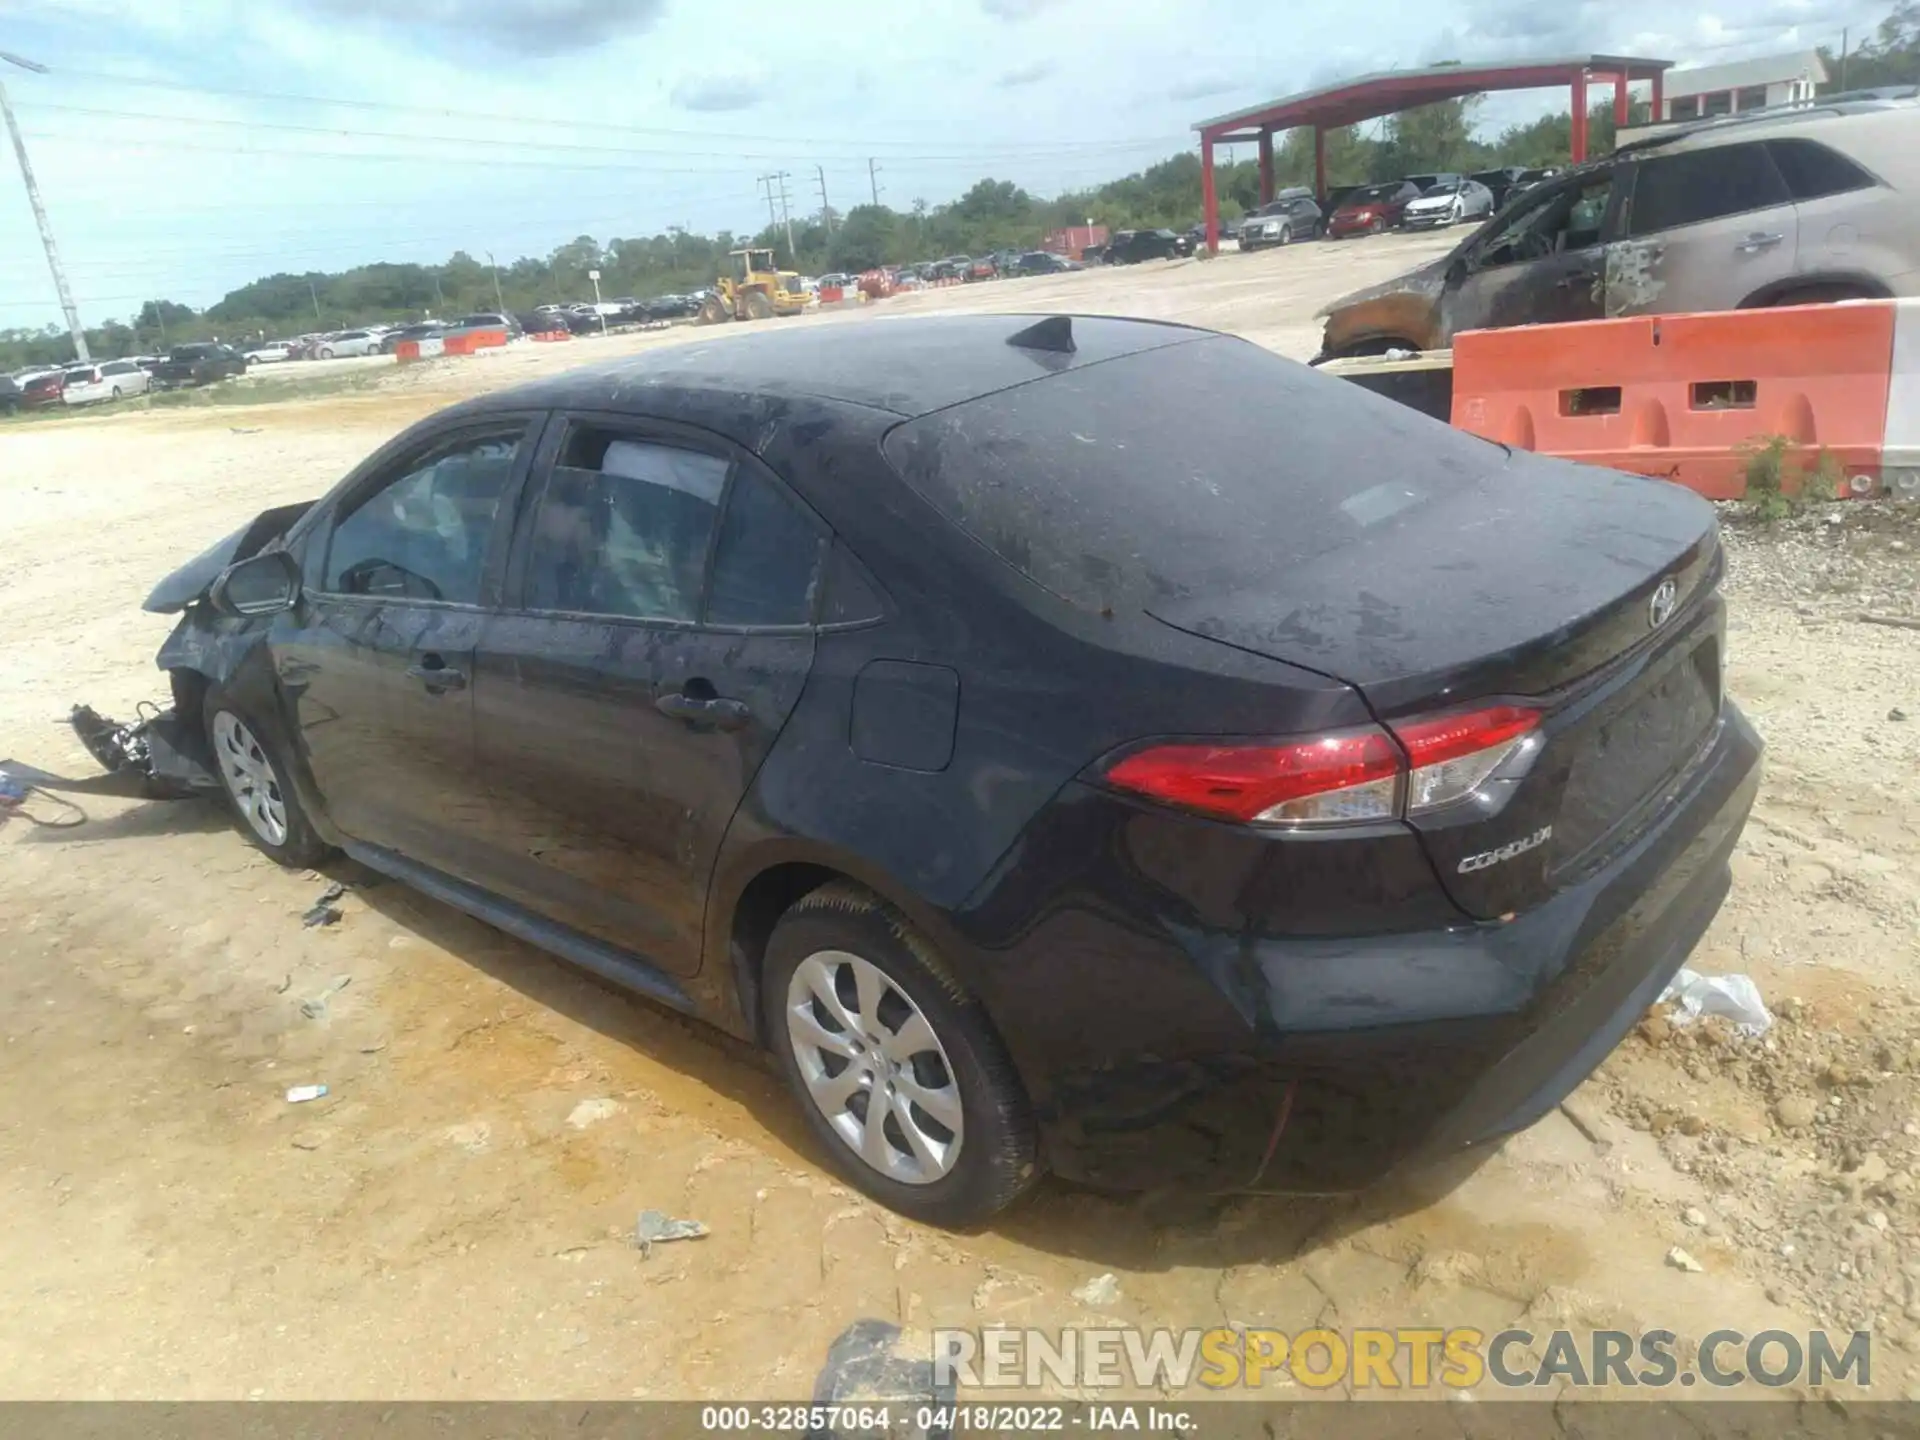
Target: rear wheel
[[253, 778], [896, 1067], [713, 311]]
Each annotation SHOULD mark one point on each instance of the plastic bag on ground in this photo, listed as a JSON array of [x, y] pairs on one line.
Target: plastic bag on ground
[[1734, 996]]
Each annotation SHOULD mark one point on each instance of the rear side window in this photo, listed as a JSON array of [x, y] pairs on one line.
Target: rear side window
[[423, 535], [1812, 170], [766, 561], [1700, 185], [623, 529]]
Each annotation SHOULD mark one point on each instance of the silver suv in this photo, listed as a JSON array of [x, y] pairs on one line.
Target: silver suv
[[1816, 204]]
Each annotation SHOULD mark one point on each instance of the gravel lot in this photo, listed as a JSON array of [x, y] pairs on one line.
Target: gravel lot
[[450, 1221]]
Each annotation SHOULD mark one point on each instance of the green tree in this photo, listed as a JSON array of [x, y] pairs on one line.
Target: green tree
[[1890, 57], [864, 240]]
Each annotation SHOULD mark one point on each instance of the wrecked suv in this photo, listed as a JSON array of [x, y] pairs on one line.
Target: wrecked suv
[[1334, 792], [1807, 206]]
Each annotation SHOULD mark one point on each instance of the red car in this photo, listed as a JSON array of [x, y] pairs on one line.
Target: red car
[[43, 390], [1372, 208]]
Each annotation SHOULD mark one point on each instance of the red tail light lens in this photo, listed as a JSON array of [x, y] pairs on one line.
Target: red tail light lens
[[1344, 778], [1453, 755]]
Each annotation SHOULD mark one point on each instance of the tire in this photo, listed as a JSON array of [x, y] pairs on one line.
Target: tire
[[114, 394], [1822, 295], [252, 777], [1286, 234], [1457, 214], [326, 352], [759, 307], [1377, 226], [832, 946]]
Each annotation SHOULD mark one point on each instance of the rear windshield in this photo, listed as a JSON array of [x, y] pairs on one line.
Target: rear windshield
[[1195, 468]]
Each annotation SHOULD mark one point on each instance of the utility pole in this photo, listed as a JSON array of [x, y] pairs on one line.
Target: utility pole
[[80, 351], [786, 215], [314, 295], [498, 298], [1845, 34], [826, 210], [873, 180], [773, 218]]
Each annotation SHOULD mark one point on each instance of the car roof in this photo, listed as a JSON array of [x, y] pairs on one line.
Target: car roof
[[906, 367], [1761, 124]]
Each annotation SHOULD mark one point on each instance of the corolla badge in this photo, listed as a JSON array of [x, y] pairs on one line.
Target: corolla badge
[[1661, 607], [1486, 859]]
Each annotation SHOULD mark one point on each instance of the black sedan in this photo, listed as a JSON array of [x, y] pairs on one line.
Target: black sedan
[[1131, 246], [1074, 744]]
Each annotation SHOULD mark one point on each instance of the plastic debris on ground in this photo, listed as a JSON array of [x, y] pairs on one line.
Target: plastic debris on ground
[[300, 1094], [1101, 1290], [1734, 996], [656, 1227], [323, 911], [316, 1008]]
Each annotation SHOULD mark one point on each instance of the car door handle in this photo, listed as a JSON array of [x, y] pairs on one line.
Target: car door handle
[[1758, 241], [719, 712], [437, 675]]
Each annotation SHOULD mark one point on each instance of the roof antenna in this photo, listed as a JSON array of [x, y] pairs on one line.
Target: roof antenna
[[1053, 333]]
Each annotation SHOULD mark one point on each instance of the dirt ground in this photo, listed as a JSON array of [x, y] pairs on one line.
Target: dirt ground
[[452, 1220]]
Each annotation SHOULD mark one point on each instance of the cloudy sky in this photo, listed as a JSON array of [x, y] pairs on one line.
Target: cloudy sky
[[187, 146]]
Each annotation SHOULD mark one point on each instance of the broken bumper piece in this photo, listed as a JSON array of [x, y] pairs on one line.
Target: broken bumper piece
[[162, 747]]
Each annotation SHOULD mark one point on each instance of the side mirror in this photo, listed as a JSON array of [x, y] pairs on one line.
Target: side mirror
[[262, 585]]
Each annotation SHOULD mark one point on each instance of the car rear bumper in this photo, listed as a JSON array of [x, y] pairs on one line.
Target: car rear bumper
[[1322, 1065]]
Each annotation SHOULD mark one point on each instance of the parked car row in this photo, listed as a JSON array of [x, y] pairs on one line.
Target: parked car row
[[1413, 202]]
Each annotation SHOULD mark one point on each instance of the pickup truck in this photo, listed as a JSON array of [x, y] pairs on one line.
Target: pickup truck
[[198, 365]]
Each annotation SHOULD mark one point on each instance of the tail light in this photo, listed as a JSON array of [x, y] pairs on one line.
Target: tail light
[[1343, 778]]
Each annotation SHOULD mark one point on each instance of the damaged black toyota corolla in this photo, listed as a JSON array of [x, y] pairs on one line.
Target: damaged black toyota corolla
[[1085, 745]]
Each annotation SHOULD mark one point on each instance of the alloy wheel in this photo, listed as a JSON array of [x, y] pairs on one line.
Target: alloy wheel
[[874, 1067], [248, 775]]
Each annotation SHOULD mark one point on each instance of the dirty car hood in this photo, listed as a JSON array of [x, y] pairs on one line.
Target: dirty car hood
[[193, 579]]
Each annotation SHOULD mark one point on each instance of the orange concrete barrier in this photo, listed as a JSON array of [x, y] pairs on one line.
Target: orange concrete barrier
[[832, 294], [1688, 397], [408, 351], [551, 336], [472, 340]]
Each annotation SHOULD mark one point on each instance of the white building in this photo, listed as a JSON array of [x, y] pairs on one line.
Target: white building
[[1704, 90]]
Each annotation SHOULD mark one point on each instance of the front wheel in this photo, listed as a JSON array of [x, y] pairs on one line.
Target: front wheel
[[115, 394], [326, 353], [1286, 234], [253, 778], [896, 1067]]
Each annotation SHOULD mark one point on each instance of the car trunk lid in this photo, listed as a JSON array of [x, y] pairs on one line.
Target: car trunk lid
[[1588, 595]]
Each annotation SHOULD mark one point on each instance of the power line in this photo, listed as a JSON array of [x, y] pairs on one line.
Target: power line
[[1063, 148], [397, 107]]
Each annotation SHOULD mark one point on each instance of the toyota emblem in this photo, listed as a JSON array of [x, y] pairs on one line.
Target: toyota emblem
[[1660, 609]]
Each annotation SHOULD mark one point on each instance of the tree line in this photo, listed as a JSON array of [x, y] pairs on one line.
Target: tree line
[[992, 215]]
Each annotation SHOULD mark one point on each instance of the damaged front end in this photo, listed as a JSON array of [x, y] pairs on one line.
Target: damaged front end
[[1400, 313], [168, 747]]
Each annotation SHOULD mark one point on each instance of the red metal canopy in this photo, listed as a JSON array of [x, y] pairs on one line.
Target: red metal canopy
[[1391, 91]]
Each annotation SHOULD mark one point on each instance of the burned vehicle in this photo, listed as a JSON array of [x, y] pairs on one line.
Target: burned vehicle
[[1809, 206], [1258, 827]]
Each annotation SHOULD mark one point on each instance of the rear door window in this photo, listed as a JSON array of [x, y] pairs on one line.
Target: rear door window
[[1699, 185], [1813, 171], [623, 528], [423, 535], [766, 561]]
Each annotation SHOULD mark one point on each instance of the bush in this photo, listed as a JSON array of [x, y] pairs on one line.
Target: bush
[[1777, 487]]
